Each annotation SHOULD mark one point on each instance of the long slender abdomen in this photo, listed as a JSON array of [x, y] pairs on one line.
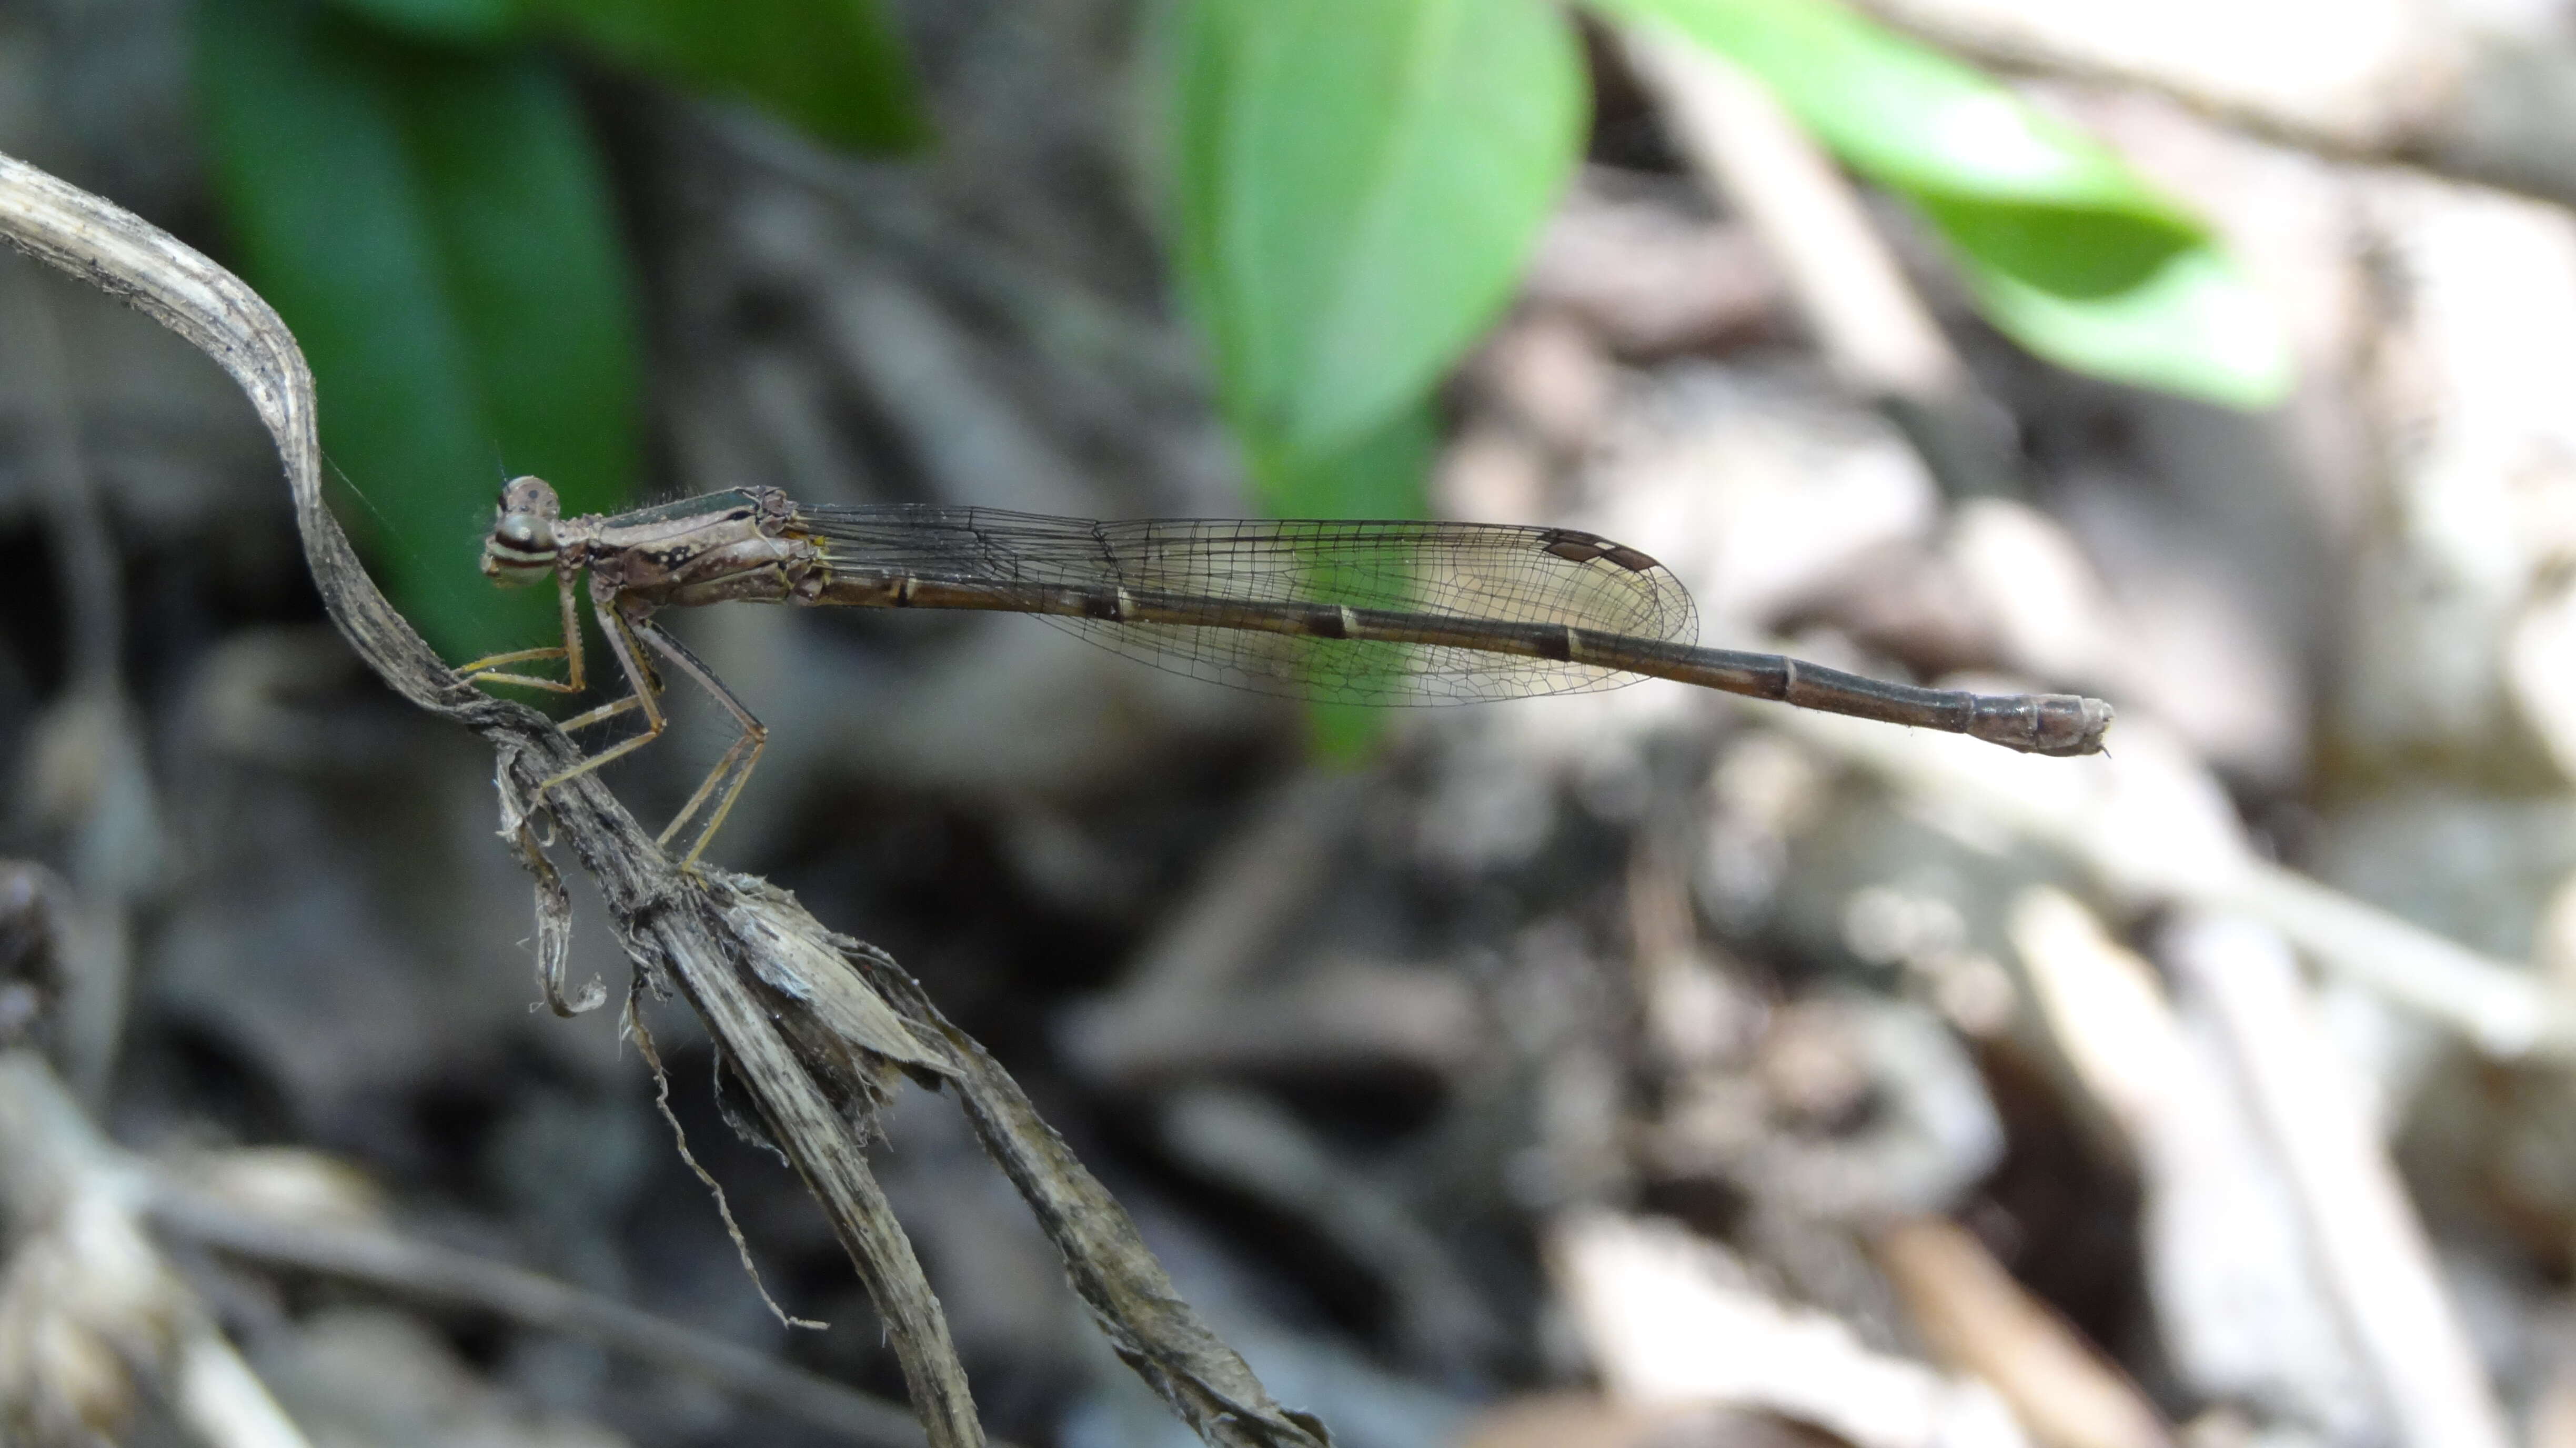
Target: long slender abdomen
[[2041, 724]]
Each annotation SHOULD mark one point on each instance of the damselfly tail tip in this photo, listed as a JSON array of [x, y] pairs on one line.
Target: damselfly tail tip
[[2053, 724], [2097, 719], [2072, 724]]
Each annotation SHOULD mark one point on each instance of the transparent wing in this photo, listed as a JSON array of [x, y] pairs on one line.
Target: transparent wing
[[1258, 582]]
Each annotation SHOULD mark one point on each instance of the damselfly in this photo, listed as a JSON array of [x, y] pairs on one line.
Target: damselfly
[[1387, 613]]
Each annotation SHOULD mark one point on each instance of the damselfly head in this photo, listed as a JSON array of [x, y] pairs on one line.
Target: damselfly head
[[522, 546]]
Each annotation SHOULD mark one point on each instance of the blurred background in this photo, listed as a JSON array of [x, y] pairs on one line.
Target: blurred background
[[1642, 1067]]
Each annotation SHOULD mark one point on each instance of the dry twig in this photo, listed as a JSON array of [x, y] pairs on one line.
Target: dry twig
[[1871, 326], [431, 1273], [91, 1317], [781, 995], [2371, 1246]]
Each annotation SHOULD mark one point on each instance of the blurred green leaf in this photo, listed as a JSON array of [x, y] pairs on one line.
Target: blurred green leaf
[[448, 22], [2118, 300], [2066, 249], [833, 67], [1356, 185], [1380, 474], [435, 227]]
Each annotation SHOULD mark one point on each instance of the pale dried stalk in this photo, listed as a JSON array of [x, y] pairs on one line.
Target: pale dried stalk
[[425, 1272], [91, 1317], [776, 989], [1876, 333], [2371, 1247]]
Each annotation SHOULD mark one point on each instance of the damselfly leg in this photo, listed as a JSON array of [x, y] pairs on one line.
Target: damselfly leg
[[624, 623], [732, 771], [488, 670]]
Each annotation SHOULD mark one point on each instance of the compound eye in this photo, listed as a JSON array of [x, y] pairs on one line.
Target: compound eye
[[526, 531]]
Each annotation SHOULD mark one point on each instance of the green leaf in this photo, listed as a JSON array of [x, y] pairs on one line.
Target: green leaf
[[449, 22], [2119, 300], [2066, 250], [435, 227], [1357, 183], [1380, 474], [832, 67]]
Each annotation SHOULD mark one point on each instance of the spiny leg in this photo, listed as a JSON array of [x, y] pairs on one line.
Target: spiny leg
[[732, 771], [621, 642], [599, 715], [605, 712], [484, 670]]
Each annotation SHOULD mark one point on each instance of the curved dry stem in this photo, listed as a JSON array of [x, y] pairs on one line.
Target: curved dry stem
[[649, 902], [818, 1027]]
